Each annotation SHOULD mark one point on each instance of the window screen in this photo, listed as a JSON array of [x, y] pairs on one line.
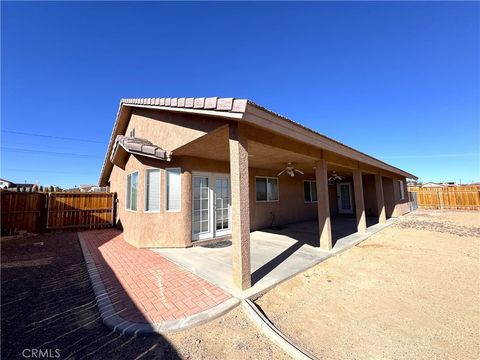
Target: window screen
[[132, 191], [310, 191], [152, 190], [266, 189], [173, 189]]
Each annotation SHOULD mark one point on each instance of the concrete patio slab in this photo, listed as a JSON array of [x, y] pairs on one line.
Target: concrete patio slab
[[275, 255]]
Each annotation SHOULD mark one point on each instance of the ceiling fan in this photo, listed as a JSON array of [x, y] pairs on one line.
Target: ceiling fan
[[290, 170], [335, 177]]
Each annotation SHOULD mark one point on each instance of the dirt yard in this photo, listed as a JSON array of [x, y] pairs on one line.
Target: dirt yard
[[411, 291], [47, 304]]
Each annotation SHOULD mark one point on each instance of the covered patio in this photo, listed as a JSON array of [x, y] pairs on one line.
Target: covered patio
[[275, 254], [352, 196]]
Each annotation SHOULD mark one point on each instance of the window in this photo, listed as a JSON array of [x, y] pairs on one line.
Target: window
[[173, 189], [310, 191], [401, 189], [266, 189], [132, 191], [152, 190]]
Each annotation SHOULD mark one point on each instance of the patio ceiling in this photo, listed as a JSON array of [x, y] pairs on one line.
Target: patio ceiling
[[215, 146]]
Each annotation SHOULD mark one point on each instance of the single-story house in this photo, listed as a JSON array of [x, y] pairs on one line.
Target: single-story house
[[5, 184], [190, 169]]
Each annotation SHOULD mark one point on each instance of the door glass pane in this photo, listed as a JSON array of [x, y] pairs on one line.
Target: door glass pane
[[222, 201], [200, 204], [313, 184], [345, 195], [306, 191]]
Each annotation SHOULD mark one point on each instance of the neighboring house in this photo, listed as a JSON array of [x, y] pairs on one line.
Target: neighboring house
[[5, 184], [98, 189], [190, 169], [23, 187], [86, 188], [435, 185]]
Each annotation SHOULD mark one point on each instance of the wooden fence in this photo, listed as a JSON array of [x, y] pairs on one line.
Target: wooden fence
[[40, 212], [454, 198], [79, 210], [22, 212]]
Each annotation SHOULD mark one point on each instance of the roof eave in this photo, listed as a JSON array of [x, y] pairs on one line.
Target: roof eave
[[256, 113], [238, 109]]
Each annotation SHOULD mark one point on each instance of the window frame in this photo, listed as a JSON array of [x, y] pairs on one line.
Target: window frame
[[126, 191], [146, 187], [401, 190], [180, 190], [310, 187], [266, 182]]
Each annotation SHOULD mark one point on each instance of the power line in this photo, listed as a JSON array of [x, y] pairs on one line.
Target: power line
[[50, 152], [53, 137], [54, 171]]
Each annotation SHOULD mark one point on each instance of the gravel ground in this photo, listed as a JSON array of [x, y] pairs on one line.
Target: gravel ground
[[47, 304], [411, 291], [459, 224]]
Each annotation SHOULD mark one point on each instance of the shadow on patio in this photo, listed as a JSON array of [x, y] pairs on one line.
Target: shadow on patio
[[307, 232]]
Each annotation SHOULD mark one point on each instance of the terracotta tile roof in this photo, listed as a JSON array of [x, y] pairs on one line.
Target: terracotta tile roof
[[204, 103]]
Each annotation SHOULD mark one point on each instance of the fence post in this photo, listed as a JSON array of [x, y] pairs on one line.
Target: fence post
[[114, 208], [43, 208], [440, 205]]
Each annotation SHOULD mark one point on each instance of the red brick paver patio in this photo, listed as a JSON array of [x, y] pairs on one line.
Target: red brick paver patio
[[143, 286]]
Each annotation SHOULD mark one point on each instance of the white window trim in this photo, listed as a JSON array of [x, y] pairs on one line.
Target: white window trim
[[180, 191], [159, 191], [278, 189], [309, 202], [402, 190], [126, 190]]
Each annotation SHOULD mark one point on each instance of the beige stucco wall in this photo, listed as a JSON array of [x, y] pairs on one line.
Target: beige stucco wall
[[401, 206], [170, 130], [369, 195], [173, 229], [288, 209], [163, 228]]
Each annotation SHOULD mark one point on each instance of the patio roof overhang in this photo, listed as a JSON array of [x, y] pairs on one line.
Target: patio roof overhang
[[245, 112], [125, 146]]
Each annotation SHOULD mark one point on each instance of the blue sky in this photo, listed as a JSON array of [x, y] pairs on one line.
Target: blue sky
[[399, 81]]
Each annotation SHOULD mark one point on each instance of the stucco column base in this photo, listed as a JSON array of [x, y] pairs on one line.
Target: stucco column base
[[241, 272], [382, 216], [359, 202], [324, 225]]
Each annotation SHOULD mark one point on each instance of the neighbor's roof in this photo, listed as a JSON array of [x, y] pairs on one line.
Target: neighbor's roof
[[236, 109]]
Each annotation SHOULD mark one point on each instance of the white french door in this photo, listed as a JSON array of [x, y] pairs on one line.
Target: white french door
[[344, 197], [210, 205]]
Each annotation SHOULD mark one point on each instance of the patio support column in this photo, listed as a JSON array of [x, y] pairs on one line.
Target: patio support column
[[359, 203], [241, 273], [323, 205], [382, 217]]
